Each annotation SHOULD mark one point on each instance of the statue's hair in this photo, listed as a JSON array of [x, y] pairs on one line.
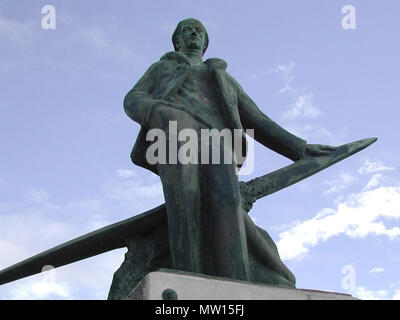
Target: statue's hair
[[178, 30]]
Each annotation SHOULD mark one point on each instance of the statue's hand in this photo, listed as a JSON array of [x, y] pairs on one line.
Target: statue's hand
[[317, 150]]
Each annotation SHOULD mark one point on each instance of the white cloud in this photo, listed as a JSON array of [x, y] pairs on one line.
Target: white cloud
[[37, 229], [129, 185], [339, 184], [34, 228], [125, 173], [45, 288], [41, 224], [365, 294], [303, 107], [356, 217], [302, 110], [284, 70], [376, 270], [374, 181], [28, 228], [87, 279], [287, 73], [373, 167]]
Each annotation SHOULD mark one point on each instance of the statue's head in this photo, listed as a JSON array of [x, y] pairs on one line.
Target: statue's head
[[190, 34]]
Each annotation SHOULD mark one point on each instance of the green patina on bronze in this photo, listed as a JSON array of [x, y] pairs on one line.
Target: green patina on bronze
[[204, 226], [207, 230]]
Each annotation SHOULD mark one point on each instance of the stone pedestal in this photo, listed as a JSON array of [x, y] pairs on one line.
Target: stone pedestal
[[171, 284]]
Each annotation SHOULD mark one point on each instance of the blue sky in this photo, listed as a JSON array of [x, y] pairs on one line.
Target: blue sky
[[65, 139]]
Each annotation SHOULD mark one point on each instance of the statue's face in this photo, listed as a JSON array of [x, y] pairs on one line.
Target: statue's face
[[192, 36]]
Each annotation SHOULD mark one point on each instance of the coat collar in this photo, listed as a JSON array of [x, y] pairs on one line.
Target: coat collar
[[213, 63]]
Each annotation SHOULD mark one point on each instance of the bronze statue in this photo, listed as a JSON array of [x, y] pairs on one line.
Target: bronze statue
[[204, 225], [207, 233]]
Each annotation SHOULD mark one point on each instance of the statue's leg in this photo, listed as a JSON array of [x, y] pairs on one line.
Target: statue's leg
[[184, 209], [224, 226], [182, 193]]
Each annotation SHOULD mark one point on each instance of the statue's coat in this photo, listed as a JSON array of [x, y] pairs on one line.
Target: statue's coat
[[247, 244]]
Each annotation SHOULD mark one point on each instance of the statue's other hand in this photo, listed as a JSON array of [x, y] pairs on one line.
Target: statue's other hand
[[317, 150]]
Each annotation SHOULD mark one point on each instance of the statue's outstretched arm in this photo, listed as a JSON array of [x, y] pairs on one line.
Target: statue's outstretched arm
[[268, 132]]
